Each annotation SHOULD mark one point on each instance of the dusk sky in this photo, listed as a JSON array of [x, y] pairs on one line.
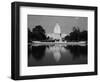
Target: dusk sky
[[66, 22]]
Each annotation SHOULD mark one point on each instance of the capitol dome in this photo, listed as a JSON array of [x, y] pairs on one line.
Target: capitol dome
[[57, 28], [57, 35]]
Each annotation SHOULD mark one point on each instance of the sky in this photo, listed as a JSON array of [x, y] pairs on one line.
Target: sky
[[66, 22]]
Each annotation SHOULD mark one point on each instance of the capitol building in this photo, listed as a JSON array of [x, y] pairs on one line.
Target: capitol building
[[57, 35]]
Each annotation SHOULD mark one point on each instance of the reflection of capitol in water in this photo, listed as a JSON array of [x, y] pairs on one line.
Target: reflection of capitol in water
[[57, 35], [56, 51], [57, 54]]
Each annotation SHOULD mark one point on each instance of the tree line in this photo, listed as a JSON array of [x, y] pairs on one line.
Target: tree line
[[77, 35], [39, 34]]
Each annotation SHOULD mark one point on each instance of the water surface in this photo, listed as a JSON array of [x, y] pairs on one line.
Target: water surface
[[46, 55]]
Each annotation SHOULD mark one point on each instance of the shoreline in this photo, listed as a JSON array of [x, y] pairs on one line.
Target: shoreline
[[81, 43]]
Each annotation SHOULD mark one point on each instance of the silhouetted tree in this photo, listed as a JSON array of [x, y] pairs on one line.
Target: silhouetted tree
[[76, 35], [84, 35], [38, 33]]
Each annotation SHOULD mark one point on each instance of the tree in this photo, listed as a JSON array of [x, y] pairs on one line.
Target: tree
[[84, 35], [38, 33], [77, 35]]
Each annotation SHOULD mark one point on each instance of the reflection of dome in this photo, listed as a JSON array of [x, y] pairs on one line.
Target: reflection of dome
[[56, 51]]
